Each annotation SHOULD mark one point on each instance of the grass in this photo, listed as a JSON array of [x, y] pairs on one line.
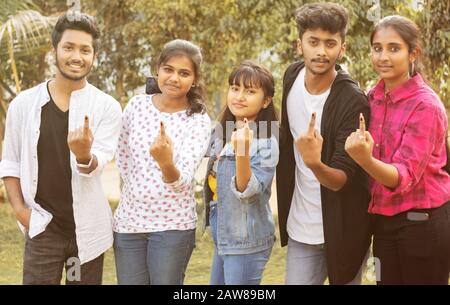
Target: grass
[[12, 245]]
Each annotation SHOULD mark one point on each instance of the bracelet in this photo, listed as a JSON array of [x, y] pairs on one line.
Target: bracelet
[[86, 165]]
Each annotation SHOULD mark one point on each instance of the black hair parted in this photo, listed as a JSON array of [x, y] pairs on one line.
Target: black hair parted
[[82, 22], [330, 17]]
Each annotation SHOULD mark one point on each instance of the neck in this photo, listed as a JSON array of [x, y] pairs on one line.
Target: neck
[[319, 83], [172, 104], [239, 123], [390, 84], [66, 86]]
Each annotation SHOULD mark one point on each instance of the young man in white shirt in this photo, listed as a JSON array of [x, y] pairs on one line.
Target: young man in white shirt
[[59, 136], [322, 194]]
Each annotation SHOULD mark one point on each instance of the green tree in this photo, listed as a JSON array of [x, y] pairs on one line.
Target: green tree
[[23, 31], [434, 20]]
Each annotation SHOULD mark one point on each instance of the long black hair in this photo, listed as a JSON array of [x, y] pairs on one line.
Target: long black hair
[[252, 75], [193, 53]]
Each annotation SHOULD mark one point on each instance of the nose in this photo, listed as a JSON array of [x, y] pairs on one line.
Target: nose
[[320, 50], [240, 95], [76, 56], [383, 56], [174, 77]]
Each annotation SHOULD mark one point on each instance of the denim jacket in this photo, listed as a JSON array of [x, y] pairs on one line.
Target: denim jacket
[[244, 219]]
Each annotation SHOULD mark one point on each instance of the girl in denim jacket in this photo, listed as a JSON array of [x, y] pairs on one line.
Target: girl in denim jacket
[[239, 178]]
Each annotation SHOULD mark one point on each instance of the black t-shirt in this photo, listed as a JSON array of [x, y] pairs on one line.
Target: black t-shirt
[[54, 189]]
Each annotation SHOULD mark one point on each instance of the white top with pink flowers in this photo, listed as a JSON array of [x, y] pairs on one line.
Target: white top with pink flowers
[[147, 203]]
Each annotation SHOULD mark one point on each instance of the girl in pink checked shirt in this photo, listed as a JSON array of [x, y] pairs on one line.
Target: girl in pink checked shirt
[[404, 153]]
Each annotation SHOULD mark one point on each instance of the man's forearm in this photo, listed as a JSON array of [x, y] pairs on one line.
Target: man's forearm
[[331, 178], [14, 192]]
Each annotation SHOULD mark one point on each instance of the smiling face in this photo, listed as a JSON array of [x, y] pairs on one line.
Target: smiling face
[[75, 54], [176, 76], [320, 49], [246, 101], [391, 56]]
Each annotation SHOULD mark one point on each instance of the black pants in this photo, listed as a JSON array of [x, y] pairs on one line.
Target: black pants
[[413, 251], [46, 255]]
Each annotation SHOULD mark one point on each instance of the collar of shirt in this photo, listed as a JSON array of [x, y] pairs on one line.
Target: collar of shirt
[[400, 93], [45, 97]]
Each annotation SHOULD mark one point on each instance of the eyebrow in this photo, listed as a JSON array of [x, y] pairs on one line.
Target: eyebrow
[[182, 69], [392, 44], [327, 40], [74, 44]]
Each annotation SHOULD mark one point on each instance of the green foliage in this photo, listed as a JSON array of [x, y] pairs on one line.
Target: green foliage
[[435, 24]]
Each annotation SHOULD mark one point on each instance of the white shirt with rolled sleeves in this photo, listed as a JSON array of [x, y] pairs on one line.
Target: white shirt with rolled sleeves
[[92, 213]]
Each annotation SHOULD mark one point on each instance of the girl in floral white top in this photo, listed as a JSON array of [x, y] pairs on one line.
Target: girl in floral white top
[[162, 142]]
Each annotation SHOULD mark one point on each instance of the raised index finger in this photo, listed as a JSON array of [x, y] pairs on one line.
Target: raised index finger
[[86, 124], [163, 129], [312, 124], [362, 123], [246, 128]]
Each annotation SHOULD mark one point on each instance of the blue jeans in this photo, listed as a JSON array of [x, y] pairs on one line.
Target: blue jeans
[[158, 258], [307, 265], [242, 269]]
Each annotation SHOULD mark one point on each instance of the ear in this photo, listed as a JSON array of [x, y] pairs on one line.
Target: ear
[[413, 55], [342, 51], [299, 47], [267, 102]]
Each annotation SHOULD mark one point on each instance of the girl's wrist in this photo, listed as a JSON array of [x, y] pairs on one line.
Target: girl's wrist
[[367, 163]]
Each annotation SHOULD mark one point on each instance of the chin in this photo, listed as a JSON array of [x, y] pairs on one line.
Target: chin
[[238, 112], [320, 71], [387, 75], [74, 76], [174, 93]]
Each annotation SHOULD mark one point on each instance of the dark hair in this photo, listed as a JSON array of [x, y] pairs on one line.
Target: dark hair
[[186, 48], [409, 32], [252, 75], [82, 22], [330, 17]]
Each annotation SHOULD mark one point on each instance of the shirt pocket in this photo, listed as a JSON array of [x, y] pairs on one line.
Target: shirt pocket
[[391, 141], [238, 223]]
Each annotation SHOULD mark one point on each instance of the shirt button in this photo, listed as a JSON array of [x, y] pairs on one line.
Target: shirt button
[[377, 145]]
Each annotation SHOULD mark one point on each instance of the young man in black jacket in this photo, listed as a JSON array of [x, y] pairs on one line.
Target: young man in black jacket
[[322, 194]]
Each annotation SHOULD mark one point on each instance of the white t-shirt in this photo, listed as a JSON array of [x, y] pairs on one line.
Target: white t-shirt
[[305, 216]]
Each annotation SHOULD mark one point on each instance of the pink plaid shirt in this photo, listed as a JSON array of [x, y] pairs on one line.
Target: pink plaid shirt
[[408, 126]]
